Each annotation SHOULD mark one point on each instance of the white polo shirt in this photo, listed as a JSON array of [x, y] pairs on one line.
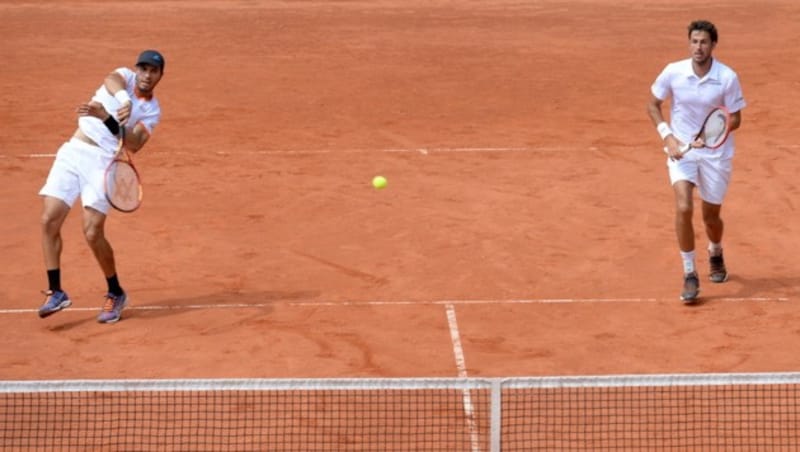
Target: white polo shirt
[[144, 111], [693, 97]]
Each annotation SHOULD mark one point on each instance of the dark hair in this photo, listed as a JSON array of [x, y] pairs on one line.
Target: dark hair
[[704, 25]]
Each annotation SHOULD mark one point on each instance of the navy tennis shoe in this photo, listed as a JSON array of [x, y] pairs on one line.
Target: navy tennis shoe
[[56, 300], [112, 309]]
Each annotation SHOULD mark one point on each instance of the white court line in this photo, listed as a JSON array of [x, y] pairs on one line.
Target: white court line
[[458, 352], [461, 365], [422, 150], [415, 303]]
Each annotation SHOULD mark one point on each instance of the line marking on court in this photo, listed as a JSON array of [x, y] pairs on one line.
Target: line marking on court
[[411, 150], [415, 303], [32, 156], [461, 365], [422, 151], [458, 351]]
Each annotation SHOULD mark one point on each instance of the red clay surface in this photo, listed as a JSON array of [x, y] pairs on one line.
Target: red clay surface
[[526, 187]]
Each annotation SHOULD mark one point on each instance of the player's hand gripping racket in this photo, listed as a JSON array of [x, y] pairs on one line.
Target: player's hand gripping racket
[[713, 132], [122, 182]]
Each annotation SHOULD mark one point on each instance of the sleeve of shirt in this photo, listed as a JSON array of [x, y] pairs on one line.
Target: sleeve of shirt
[[129, 76], [734, 99], [662, 88], [150, 121]]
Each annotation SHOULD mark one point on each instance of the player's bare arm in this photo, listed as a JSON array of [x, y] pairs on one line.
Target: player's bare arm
[[736, 120], [136, 137], [93, 108], [672, 144], [97, 110], [115, 84]]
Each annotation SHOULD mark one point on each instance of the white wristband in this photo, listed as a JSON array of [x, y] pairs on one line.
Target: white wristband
[[122, 96], [664, 130]]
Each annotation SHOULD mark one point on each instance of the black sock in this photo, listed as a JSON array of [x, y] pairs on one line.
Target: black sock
[[54, 279], [113, 285]]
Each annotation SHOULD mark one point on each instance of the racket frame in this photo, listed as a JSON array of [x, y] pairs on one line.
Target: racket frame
[[688, 146], [122, 156]]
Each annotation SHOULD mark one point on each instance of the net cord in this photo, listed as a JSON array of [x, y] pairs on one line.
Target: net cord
[[288, 384]]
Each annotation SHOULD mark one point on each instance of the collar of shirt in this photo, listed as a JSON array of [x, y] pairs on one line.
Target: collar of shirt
[[712, 75]]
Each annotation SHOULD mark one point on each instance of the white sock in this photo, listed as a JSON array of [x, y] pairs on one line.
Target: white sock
[[688, 261], [714, 249]]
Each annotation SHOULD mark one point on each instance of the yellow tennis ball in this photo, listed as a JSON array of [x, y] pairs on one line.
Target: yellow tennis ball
[[379, 182]]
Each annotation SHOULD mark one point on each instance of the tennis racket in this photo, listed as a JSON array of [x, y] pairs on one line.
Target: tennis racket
[[122, 182], [713, 132]]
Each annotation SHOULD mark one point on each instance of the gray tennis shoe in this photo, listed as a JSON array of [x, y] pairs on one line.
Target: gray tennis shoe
[[691, 288], [718, 273]]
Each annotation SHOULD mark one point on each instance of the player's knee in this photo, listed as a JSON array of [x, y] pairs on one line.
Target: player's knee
[[47, 221], [712, 220], [50, 224], [93, 233], [684, 208], [53, 215]]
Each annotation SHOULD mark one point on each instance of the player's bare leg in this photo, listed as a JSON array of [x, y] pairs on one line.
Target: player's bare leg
[[684, 209], [94, 230], [54, 213], [714, 230]]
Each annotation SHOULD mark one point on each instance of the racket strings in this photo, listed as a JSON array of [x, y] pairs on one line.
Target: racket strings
[[123, 188], [715, 129]]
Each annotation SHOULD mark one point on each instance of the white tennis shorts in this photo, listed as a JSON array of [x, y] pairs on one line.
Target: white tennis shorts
[[709, 173], [78, 170]]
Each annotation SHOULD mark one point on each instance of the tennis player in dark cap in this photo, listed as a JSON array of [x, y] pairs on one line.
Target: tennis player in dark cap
[[126, 100]]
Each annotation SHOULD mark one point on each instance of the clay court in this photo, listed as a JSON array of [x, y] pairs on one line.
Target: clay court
[[526, 229]]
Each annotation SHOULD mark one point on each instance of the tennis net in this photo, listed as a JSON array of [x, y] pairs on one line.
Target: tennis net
[[623, 412]]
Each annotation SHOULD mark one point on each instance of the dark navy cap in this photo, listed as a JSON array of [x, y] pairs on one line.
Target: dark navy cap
[[151, 57]]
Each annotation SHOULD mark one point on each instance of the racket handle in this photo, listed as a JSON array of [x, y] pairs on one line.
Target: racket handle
[[683, 151]]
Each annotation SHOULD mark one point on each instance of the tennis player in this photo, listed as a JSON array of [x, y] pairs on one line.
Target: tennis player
[[696, 85], [125, 99]]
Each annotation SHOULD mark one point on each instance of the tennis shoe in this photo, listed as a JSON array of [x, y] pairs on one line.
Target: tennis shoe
[[691, 288], [56, 300], [718, 273], [112, 309]]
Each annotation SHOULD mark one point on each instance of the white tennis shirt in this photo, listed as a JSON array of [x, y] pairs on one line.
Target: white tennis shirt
[[693, 97], [144, 111]]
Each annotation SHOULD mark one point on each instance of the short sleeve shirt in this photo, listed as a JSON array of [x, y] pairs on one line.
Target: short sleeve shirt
[[144, 111], [693, 97]]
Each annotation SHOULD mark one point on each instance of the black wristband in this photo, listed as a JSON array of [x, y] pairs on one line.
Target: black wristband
[[112, 125]]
